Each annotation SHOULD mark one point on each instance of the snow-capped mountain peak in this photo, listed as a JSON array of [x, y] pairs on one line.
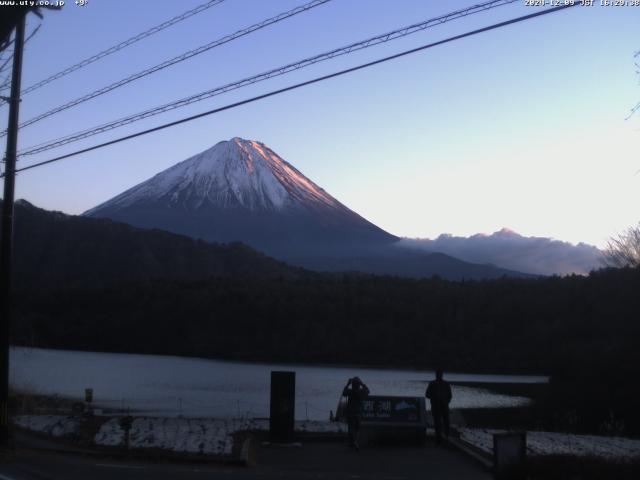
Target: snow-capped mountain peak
[[235, 173]]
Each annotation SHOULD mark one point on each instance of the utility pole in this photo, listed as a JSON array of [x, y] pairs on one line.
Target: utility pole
[[6, 247]]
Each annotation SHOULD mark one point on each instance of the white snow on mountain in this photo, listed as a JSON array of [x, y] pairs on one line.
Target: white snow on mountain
[[232, 173]]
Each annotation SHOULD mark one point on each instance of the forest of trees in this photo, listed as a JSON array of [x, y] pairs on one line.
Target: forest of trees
[[583, 331]]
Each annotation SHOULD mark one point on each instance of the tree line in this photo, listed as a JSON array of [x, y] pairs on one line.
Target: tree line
[[583, 331]]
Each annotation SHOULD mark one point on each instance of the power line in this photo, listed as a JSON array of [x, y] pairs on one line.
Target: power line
[[5, 64], [386, 37], [6, 81], [3, 67], [123, 44], [32, 34], [6, 45], [299, 85], [180, 58]]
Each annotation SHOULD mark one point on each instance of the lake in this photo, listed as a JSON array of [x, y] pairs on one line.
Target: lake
[[195, 387]]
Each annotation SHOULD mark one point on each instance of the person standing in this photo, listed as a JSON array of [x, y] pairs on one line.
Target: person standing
[[439, 393], [355, 391]]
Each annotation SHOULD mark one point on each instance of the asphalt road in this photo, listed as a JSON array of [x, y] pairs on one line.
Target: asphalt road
[[312, 460]]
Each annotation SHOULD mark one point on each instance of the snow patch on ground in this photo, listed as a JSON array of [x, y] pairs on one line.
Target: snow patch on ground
[[551, 443], [315, 426], [194, 435], [472, 397], [206, 436], [189, 435], [54, 425]]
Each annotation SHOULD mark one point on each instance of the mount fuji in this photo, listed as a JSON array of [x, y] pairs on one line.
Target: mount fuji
[[241, 190]]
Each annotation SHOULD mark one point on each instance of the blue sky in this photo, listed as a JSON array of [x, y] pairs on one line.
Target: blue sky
[[523, 127]]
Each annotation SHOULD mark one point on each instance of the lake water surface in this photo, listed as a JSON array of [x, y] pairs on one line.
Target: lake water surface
[[195, 387]]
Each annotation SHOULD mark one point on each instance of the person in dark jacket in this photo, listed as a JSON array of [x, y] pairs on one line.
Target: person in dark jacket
[[439, 392], [355, 391]]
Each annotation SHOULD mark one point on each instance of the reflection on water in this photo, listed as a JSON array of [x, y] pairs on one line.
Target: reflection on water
[[194, 387]]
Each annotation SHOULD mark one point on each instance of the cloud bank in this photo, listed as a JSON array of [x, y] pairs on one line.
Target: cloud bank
[[507, 249]]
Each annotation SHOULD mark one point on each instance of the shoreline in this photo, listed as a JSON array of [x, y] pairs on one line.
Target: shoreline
[[526, 378]]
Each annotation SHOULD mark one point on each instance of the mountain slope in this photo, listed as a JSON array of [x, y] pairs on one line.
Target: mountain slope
[[52, 248]]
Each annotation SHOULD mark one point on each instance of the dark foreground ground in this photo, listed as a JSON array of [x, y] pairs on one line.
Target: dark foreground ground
[[37, 458], [313, 459]]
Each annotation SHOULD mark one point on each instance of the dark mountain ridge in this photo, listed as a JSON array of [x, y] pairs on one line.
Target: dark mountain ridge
[[52, 248]]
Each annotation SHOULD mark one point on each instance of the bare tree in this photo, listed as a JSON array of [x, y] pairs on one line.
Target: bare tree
[[623, 250]]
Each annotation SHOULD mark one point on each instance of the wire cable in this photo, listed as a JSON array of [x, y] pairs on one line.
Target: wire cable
[[6, 45], [123, 44], [5, 83], [299, 85], [4, 67], [635, 109], [386, 37], [180, 58]]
